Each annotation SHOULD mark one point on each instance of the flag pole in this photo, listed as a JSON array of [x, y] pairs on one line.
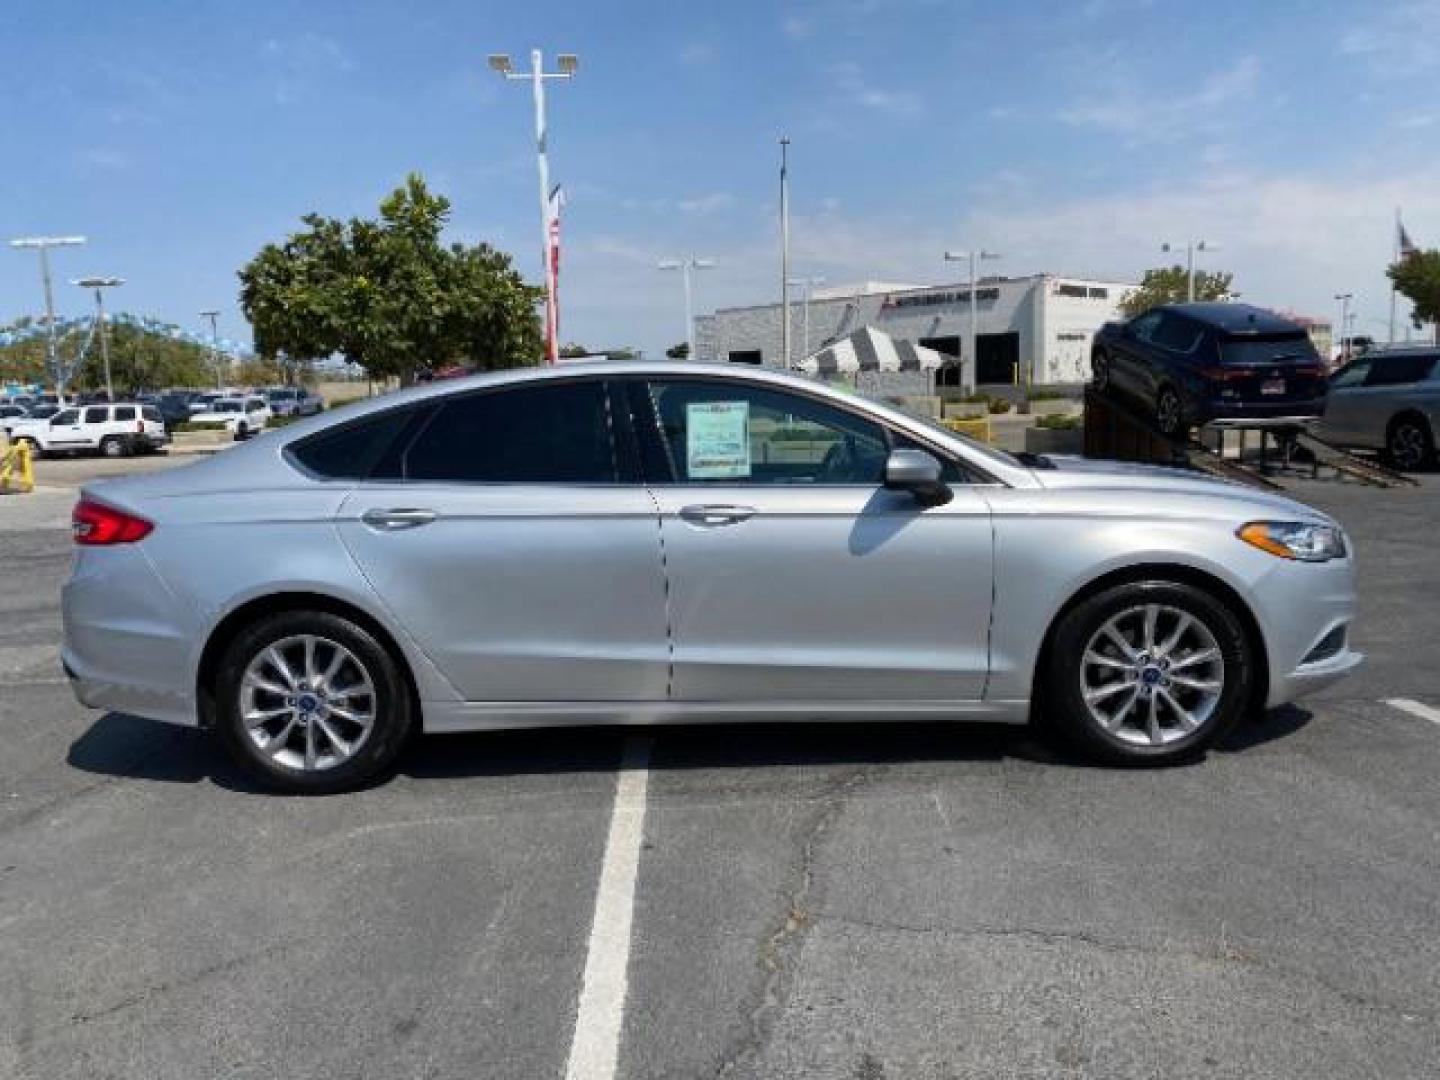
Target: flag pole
[[1392, 282]]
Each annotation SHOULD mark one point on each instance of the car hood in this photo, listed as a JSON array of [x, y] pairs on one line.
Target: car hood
[[1089, 474]]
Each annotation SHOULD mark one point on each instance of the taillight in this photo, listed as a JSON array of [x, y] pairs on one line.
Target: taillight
[[1220, 374], [139, 427], [97, 525]]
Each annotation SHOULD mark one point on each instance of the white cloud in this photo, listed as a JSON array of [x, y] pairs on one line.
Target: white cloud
[[797, 26], [1148, 114], [852, 85], [1396, 38], [708, 203], [296, 63]]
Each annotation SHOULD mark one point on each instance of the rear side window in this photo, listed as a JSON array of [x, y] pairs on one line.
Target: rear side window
[[555, 434], [1399, 370], [1352, 374], [1280, 348], [1177, 335], [97, 414], [125, 412], [352, 451]]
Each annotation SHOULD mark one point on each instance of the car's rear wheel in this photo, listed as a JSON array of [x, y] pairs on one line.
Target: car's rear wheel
[[1409, 443], [113, 446], [311, 703], [1169, 415], [242, 431], [1151, 671]]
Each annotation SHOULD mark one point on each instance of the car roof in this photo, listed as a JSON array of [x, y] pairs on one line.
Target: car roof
[[1233, 318]]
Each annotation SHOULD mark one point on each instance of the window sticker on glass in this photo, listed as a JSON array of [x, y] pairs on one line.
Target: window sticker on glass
[[717, 440]]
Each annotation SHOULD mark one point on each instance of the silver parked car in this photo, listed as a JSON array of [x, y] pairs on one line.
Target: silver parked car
[[1387, 400], [642, 543]]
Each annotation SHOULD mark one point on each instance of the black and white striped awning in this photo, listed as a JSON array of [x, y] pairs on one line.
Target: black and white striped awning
[[868, 349]]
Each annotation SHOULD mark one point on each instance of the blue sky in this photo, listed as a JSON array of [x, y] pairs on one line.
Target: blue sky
[[1073, 137]]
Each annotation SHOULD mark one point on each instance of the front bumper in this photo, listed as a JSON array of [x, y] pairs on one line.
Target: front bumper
[[1300, 606]]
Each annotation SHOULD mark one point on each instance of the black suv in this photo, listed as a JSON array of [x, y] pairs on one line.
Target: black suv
[[1193, 364]]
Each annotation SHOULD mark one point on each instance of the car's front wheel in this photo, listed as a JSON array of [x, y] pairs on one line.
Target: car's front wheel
[[1151, 671], [311, 703]]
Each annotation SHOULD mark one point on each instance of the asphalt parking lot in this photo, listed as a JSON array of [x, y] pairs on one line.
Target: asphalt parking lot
[[811, 901]]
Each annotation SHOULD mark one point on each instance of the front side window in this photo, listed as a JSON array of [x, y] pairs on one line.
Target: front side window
[[67, 416], [548, 434], [713, 432]]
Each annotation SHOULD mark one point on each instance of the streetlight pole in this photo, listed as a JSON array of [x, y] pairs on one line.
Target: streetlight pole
[[100, 284], [1191, 247], [686, 266], [52, 353], [969, 376], [1344, 299], [785, 252], [568, 63], [808, 284], [214, 347]]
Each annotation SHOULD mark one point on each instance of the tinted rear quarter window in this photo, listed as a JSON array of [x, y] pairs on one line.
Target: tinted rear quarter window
[[553, 434], [1177, 334], [352, 451], [125, 412]]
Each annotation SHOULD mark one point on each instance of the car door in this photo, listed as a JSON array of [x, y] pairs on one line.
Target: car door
[[793, 574], [66, 429], [1129, 372], [505, 540], [1340, 422]]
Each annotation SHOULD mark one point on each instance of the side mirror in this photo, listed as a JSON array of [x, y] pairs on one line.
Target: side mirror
[[917, 472]]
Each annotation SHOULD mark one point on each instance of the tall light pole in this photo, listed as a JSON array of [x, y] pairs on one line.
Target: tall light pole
[[568, 64], [212, 315], [1344, 299], [785, 252], [1191, 247], [43, 244], [686, 266], [970, 374], [808, 284], [100, 284]]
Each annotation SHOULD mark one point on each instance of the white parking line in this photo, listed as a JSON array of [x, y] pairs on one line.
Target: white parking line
[[595, 1048], [1414, 708]]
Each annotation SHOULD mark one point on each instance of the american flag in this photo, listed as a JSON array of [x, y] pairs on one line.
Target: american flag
[[1404, 244]]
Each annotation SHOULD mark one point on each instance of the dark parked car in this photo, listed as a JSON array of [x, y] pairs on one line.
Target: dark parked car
[[1195, 364], [174, 407], [1388, 400]]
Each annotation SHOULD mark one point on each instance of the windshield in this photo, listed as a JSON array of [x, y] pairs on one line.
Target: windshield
[[225, 406], [1289, 348]]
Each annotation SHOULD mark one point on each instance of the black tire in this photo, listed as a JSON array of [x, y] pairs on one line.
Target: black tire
[[394, 713], [242, 431], [112, 446], [1063, 712], [1100, 370], [1409, 443], [1169, 413]]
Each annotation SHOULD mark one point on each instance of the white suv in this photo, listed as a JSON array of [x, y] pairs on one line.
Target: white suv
[[113, 430], [241, 416]]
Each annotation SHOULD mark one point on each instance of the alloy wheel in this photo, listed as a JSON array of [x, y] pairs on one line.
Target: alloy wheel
[[1152, 675], [1408, 445], [307, 703]]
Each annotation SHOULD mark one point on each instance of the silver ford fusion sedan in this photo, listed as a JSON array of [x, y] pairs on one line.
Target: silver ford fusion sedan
[[644, 543]]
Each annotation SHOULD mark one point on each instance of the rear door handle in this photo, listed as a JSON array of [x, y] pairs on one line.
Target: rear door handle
[[716, 513], [397, 518]]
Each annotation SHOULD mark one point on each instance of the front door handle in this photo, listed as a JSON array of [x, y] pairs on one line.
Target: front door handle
[[716, 513], [397, 518]]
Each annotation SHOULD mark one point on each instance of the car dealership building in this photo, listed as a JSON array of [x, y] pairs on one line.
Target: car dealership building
[[1036, 329]]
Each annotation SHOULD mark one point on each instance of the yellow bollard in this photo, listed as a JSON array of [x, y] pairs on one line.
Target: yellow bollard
[[16, 460]]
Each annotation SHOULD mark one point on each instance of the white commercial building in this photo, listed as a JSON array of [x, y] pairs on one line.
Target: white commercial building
[[1033, 329]]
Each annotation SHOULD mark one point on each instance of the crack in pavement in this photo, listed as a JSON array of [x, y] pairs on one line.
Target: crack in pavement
[[1222, 954], [782, 943]]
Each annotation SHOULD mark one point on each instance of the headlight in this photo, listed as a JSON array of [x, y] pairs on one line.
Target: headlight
[[1300, 540]]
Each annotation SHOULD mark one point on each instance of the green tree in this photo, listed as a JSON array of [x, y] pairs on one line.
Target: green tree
[[388, 295], [144, 355], [1417, 278], [679, 352], [1167, 285], [573, 350]]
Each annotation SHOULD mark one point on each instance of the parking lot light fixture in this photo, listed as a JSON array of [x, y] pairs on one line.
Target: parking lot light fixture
[[970, 372], [100, 284], [686, 267], [1191, 247], [213, 315], [808, 284], [568, 63], [43, 244], [1345, 299]]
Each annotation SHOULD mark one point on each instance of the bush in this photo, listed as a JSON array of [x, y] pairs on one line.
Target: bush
[[1046, 395], [1059, 422], [342, 401], [998, 406]]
